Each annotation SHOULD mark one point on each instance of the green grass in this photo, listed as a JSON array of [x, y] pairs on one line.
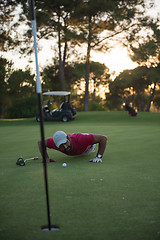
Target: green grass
[[116, 200]]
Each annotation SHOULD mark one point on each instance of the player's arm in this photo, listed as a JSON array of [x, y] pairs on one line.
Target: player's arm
[[102, 142], [41, 151]]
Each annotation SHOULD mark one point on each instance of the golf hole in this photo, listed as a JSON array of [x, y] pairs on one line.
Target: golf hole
[[52, 228]]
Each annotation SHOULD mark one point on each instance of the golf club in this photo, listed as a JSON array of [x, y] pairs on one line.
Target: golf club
[[22, 162]]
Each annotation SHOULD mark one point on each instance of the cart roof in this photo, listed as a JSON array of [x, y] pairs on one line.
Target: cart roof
[[57, 93]]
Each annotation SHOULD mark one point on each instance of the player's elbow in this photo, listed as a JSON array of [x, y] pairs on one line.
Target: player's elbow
[[103, 140]]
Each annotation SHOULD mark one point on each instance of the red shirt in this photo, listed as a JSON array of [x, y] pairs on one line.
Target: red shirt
[[81, 143]]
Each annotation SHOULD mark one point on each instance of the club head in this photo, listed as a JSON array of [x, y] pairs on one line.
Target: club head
[[20, 161]]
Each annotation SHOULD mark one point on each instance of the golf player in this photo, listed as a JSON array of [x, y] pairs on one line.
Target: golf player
[[75, 144]]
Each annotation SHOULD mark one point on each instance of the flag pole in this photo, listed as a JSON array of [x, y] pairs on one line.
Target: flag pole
[[39, 94]]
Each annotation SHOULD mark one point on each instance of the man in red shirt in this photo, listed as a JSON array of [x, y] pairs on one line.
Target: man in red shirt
[[75, 144]]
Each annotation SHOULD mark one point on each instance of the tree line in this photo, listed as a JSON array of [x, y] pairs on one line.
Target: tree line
[[18, 94], [95, 25]]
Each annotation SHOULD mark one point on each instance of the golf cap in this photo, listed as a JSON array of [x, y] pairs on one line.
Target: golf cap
[[59, 138]]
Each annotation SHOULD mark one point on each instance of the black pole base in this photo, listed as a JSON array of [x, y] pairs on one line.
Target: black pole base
[[50, 228]]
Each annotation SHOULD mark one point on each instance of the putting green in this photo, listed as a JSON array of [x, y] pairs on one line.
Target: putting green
[[118, 199]]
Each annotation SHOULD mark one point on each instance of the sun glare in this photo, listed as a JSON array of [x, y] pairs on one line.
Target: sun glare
[[116, 60]]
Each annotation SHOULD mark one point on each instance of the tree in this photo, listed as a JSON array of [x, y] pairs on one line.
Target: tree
[[145, 50], [118, 90], [144, 47], [20, 83], [140, 83], [110, 17], [10, 20], [98, 74], [17, 88], [53, 21], [6, 16], [131, 86], [21, 91], [156, 100], [50, 78], [5, 70], [154, 76]]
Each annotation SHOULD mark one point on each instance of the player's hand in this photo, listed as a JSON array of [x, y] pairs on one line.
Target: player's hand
[[95, 160]]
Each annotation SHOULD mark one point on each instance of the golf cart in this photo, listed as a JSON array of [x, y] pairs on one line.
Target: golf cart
[[64, 113]]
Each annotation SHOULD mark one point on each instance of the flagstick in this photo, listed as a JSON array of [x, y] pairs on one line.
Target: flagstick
[[39, 93]]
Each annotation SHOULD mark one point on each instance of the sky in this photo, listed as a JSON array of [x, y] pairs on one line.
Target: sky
[[116, 60]]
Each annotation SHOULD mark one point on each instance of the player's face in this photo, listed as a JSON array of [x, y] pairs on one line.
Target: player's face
[[66, 147]]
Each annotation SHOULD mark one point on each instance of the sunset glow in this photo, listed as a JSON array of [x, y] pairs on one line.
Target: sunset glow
[[116, 60]]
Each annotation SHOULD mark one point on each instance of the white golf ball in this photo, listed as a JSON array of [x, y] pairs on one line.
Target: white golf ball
[[64, 164]]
